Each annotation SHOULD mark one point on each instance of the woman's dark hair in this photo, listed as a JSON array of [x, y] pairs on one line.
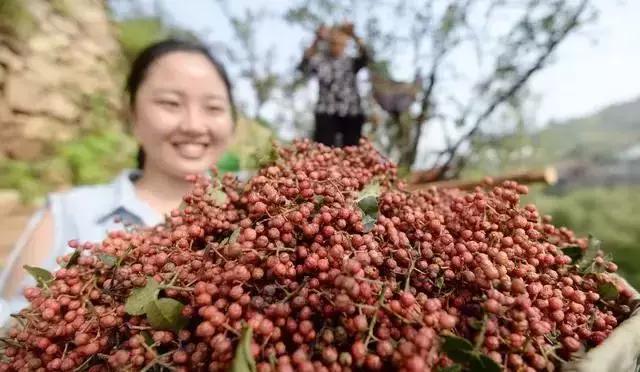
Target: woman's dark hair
[[152, 53]]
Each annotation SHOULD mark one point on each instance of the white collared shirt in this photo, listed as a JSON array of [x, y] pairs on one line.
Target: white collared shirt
[[85, 213]]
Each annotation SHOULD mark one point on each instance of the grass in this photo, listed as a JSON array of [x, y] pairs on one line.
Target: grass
[[610, 214]]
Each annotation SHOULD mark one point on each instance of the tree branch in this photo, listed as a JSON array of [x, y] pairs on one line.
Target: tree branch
[[518, 84]]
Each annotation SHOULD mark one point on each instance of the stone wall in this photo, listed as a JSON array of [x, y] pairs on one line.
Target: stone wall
[[50, 76]]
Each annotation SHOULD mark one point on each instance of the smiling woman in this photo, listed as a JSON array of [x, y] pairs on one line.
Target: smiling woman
[[182, 114]]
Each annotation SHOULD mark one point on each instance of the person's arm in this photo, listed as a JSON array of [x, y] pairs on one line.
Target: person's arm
[[363, 54], [363, 57], [33, 247], [312, 50]]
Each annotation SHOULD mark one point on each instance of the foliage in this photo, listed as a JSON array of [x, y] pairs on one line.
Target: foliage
[[22, 176], [136, 33], [15, 19], [97, 157], [94, 158], [252, 140], [608, 213], [100, 151]]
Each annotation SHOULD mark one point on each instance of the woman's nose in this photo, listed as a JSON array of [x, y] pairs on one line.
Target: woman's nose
[[193, 120]]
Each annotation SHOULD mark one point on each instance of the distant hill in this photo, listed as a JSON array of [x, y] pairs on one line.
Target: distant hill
[[598, 137], [587, 150]]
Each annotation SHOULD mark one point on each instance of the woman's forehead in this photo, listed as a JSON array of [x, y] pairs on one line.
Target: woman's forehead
[[189, 67]]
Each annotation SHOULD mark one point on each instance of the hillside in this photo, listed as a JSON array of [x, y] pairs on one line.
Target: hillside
[[599, 136], [605, 144]]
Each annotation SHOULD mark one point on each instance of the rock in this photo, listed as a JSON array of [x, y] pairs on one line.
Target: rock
[[46, 76], [63, 25], [47, 44], [9, 201], [23, 149], [5, 113], [38, 9], [60, 107], [24, 92], [9, 59], [45, 70], [43, 128]]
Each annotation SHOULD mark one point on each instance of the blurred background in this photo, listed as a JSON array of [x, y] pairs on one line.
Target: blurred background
[[457, 90]]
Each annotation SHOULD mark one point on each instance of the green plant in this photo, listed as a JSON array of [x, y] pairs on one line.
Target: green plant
[[136, 33], [611, 214], [22, 176], [97, 157], [15, 19]]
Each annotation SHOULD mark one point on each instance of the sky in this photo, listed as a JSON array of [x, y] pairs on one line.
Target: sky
[[590, 70], [597, 69]]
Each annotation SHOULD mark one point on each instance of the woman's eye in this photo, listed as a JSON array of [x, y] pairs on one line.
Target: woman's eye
[[214, 108], [169, 103]]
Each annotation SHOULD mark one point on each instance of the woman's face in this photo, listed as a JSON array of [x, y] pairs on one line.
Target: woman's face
[[337, 43], [182, 114]]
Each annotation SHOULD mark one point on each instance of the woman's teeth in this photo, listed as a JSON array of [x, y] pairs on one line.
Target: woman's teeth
[[190, 150]]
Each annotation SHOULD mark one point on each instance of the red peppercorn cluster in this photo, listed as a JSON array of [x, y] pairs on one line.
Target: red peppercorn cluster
[[291, 272]]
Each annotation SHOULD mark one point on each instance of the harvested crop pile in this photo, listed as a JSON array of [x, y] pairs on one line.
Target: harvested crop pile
[[322, 262]]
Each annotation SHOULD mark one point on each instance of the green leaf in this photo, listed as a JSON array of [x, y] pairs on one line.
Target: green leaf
[[367, 201], [586, 263], [608, 291], [140, 297], [166, 314], [218, 196], [457, 348], [147, 338], [243, 360], [482, 363], [318, 200], [592, 249], [42, 276], [368, 198], [73, 260], [369, 222], [269, 156], [369, 205], [108, 260], [370, 189], [229, 162], [575, 252], [452, 368], [234, 236]]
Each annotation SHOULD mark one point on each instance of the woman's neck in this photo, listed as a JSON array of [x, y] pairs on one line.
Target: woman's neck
[[160, 191]]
